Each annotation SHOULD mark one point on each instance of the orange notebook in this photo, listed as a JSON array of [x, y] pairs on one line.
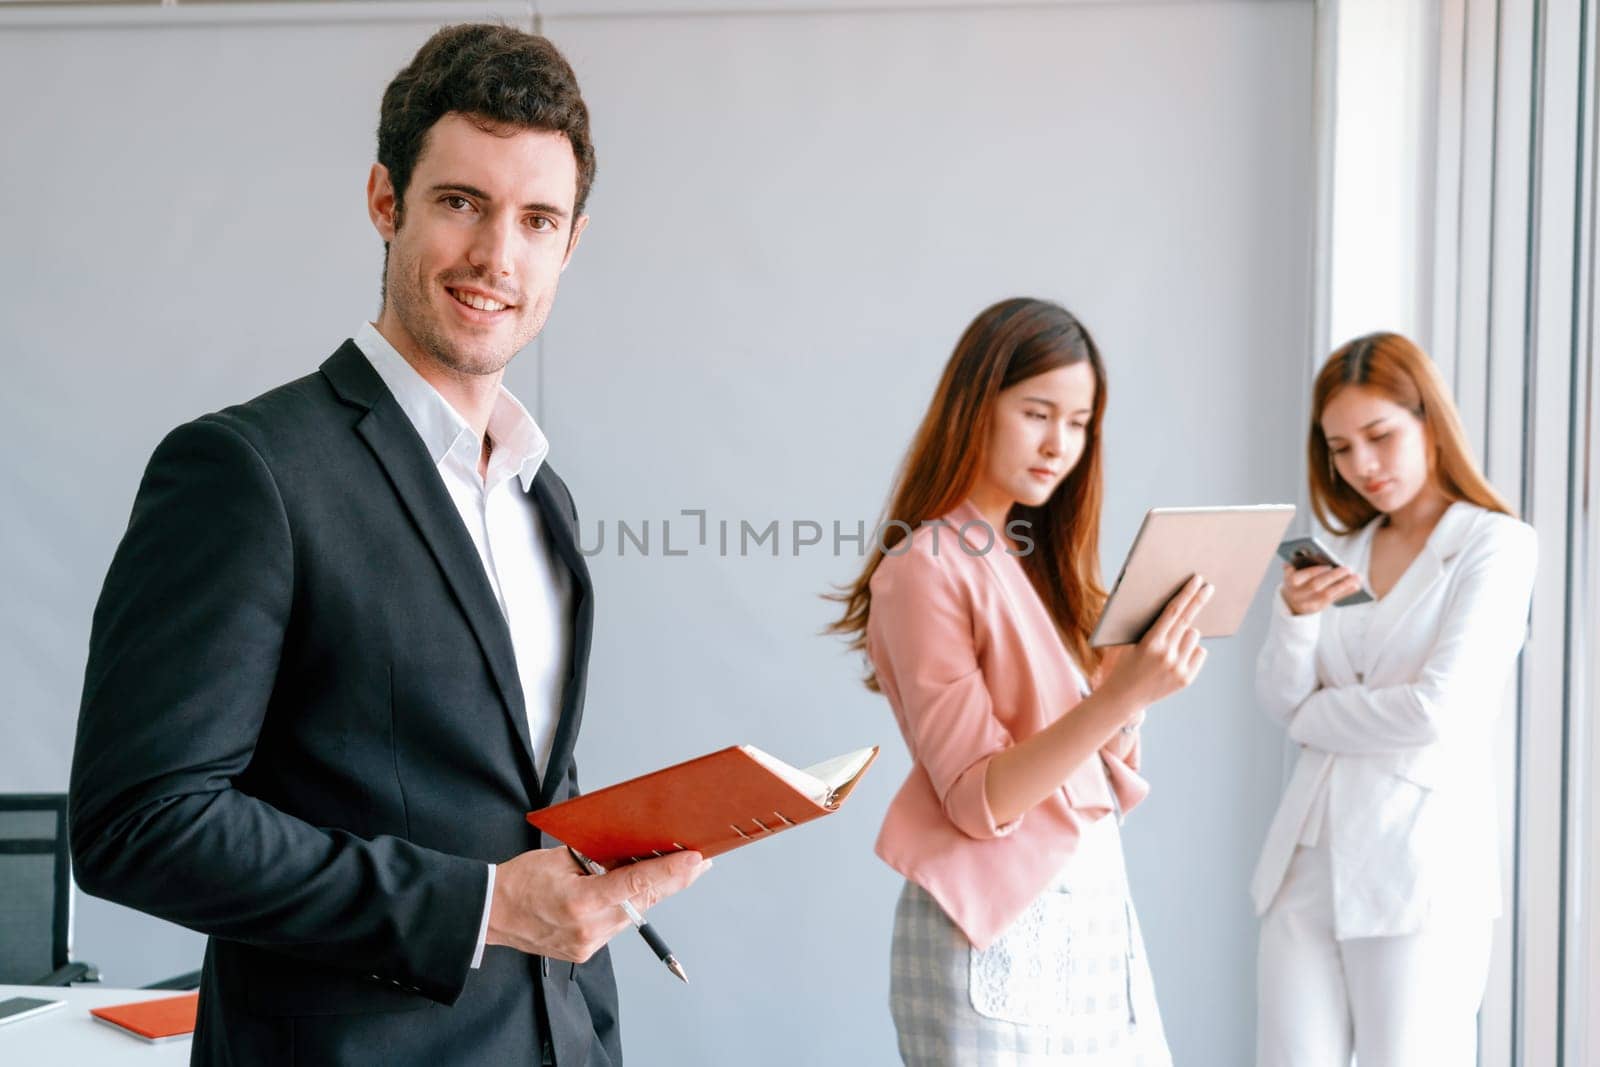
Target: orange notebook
[[162, 1019], [712, 804]]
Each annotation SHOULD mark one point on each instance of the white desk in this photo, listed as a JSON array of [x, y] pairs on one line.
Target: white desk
[[70, 1036]]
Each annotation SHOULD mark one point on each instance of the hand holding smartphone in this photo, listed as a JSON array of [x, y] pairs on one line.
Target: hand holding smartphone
[[1303, 552]]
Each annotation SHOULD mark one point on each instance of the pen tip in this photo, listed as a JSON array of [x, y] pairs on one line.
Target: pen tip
[[677, 968]]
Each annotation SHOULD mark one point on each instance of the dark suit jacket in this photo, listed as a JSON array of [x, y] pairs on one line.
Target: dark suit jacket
[[302, 733]]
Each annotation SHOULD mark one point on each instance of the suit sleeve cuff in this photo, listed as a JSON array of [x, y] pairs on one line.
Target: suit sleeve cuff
[[1300, 631], [967, 805], [483, 925]]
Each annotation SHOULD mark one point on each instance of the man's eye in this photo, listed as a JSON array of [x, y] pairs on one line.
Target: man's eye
[[541, 223], [456, 203]]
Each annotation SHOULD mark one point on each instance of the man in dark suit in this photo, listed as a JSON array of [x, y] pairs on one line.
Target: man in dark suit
[[342, 646]]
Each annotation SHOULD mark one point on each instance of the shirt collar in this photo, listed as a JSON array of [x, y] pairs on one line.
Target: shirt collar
[[520, 447]]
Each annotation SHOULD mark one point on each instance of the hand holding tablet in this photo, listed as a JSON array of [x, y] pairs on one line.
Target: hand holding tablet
[[1231, 547], [1169, 657]]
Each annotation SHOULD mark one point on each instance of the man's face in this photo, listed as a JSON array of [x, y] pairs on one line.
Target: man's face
[[479, 247]]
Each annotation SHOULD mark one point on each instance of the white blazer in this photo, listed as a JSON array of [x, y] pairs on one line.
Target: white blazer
[[1395, 730]]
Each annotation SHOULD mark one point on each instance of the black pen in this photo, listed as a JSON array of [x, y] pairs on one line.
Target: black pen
[[651, 938]]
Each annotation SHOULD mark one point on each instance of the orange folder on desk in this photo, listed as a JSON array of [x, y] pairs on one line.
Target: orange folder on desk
[[712, 804], [161, 1019]]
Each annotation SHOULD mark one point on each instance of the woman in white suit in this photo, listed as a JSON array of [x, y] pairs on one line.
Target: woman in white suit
[[1378, 885]]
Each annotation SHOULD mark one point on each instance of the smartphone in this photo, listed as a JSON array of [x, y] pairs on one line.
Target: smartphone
[[22, 1007], [1302, 552]]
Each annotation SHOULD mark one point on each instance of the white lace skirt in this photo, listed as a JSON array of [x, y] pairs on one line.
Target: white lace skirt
[[1068, 983]]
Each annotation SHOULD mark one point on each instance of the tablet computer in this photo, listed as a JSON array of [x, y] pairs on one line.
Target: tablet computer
[[1231, 547], [14, 1008]]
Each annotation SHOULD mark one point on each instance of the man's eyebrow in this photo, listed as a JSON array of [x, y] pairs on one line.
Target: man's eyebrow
[[478, 194]]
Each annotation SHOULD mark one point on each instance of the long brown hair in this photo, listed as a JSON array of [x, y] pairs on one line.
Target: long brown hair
[[1395, 367], [1007, 343]]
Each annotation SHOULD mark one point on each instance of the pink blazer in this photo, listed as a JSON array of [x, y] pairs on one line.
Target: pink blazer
[[971, 663]]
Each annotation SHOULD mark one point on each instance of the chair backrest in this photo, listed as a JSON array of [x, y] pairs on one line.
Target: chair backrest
[[35, 886]]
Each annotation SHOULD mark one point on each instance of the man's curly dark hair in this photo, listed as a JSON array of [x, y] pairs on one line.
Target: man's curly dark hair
[[497, 75]]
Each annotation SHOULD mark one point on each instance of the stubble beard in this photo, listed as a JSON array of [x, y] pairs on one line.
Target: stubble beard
[[408, 293]]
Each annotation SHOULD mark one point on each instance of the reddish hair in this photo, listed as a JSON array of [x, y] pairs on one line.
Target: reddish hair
[[1395, 368], [1007, 343]]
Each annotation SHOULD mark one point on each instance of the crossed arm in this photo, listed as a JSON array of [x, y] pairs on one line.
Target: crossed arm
[[1482, 631]]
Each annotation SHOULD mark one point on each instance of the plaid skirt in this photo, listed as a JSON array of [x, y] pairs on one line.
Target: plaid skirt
[[1067, 984]]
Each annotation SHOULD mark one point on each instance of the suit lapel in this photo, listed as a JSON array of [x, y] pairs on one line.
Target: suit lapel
[[394, 441], [1087, 786], [1419, 579], [1342, 660], [551, 497]]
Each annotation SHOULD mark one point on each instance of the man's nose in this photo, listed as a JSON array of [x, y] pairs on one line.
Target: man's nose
[[491, 249]]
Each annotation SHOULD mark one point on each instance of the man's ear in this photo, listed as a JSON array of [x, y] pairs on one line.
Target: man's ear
[[579, 224], [382, 207]]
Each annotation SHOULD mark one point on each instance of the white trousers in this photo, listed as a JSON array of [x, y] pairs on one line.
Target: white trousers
[[1408, 1001]]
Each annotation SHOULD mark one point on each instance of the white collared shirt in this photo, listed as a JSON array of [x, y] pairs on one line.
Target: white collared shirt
[[533, 589]]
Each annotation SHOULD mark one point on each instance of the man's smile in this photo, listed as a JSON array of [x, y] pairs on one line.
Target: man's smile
[[477, 299]]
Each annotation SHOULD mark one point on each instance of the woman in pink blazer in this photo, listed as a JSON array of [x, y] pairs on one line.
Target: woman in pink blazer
[[1014, 939]]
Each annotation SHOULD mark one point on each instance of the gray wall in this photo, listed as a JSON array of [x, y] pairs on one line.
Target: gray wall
[[796, 214]]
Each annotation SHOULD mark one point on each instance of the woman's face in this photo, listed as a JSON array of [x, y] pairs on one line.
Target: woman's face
[[1378, 446], [1038, 434]]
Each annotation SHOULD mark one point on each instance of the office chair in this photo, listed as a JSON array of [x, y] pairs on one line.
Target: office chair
[[190, 980], [36, 893]]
